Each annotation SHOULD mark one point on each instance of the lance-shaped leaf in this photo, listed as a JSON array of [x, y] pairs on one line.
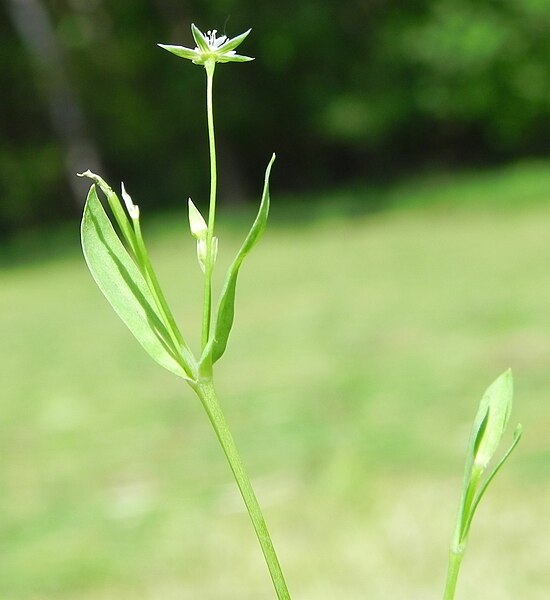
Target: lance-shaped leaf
[[497, 405], [116, 208], [487, 431], [226, 307], [485, 484], [123, 285]]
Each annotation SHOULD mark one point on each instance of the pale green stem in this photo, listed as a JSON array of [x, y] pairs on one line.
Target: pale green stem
[[463, 522], [207, 395], [455, 559], [207, 306]]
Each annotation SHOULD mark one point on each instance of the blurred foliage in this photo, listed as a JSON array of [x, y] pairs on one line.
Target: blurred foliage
[[339, 90]]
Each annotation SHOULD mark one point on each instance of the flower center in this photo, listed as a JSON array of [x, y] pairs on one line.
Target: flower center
[[213, 41]]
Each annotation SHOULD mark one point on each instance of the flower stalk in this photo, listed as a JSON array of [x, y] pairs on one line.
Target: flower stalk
[[209, 51], [210, 67]]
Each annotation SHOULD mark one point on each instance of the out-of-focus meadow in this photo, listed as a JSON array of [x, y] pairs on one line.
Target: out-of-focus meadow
[[406, 264], [362, 345]]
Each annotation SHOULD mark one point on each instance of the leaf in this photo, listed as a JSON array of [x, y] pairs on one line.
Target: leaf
[[517, 436], [470, 478], [497, 403], [489, 425], [116, 208], [123, 285], [483, 488], [226, 307]]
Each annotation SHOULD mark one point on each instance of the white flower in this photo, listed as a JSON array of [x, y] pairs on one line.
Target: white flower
[[210, 48]]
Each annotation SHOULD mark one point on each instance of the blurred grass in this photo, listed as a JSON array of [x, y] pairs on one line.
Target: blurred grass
[[362, 345]]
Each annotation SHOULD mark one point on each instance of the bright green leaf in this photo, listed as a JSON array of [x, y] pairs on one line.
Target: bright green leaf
[[497, 403], [116, 208], [123, 285], [226, 306], [489, 426], [470, 480], [517, 436]]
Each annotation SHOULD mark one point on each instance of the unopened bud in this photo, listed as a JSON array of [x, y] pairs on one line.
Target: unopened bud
[[133, 209], [197, 224]]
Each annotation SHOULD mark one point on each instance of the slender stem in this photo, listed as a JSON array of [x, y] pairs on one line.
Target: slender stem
[[460, 536], [207, 306], [455, 559], [207, 395], [470, 503]]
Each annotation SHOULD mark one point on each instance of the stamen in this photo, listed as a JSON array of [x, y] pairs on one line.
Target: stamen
[[213, 41]]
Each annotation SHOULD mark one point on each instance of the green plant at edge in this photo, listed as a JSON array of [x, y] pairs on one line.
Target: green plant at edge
[[489, 426], [122, 269]]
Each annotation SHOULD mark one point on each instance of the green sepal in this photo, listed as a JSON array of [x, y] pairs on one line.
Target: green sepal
[[234, 42], [180, 51], [226, 58], [226, 306], [200, 40], [121, 282]]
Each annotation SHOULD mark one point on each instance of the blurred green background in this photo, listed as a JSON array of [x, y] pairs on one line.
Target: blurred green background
[[341, 91], [405, 266]]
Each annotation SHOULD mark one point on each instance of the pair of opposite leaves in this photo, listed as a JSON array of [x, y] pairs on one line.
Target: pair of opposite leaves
[[121, 274]]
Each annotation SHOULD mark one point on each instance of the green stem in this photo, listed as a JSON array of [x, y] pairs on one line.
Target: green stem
[[207, 306], [462, 528], [207, 395], [455, 559]]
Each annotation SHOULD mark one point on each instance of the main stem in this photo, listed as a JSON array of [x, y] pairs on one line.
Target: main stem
[[462, 527], [205, 391], [455, 559], [207, 311]]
